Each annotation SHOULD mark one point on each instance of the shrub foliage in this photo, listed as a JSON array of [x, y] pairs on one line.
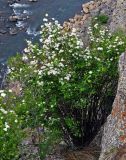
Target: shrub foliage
[[63, 88]]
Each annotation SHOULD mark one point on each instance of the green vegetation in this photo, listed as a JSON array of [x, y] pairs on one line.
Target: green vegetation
[[62, 87], [102, 18], [10, 131]]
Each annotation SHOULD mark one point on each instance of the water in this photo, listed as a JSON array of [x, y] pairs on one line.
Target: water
[[32, 13]]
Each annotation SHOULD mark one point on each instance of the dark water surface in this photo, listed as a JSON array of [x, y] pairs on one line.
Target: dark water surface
[[60, 9]]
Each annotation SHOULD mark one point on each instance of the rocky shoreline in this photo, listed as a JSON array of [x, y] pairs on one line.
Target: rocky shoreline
[[19, 21], [9, 19]]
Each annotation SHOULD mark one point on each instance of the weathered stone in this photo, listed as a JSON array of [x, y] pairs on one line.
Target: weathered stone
[[3, 31], [85, 9], [13, 31], [119, 16], [78, 17], [87, 153], [88, 6], [114, 135], [13, 18]]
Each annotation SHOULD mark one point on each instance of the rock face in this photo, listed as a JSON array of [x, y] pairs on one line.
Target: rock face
[[119, 16], [114, 136], [115, 9]]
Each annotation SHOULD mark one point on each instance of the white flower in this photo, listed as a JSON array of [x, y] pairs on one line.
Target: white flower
[[102, 32], [92, 39], [120, 43], [77, 47], [61, 64], [96, 25], [10, 90], [117, 38], [33, 62], [11, 111], [98, 59], [29, 43], [79, 43], [24, 58], [47, 41], [26, 50], [13, 68], [1, 91], [45, 20], [62, 60], [40, 39], [100, 49], [52, 106], [16, 121], [54, 72], [111, 59], [67, 77], [3, 111], [3, 94], [40, 83], [89, 28], [56, 22], [90, 72], [23, 101], [35, 71], [46, 15], [8, 70], [61, 51], [6, 127], [43, 67]]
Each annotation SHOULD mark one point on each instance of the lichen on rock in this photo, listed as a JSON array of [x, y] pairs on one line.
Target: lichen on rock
[[114, 135]]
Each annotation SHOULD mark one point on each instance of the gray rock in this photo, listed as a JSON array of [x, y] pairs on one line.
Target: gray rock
[[13, 31], [114, 135], [3, 31], [119, 16]]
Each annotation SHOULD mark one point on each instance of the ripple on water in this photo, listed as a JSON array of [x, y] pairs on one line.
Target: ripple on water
[[18, 5], [32, 31], [33, 14]]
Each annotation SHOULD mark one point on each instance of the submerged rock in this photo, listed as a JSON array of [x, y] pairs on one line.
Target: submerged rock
[[13, 18], [3, 31], [13, 31]]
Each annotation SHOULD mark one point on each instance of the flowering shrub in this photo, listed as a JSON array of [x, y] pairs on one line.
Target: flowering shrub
[[10, 131], [64, 88]]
